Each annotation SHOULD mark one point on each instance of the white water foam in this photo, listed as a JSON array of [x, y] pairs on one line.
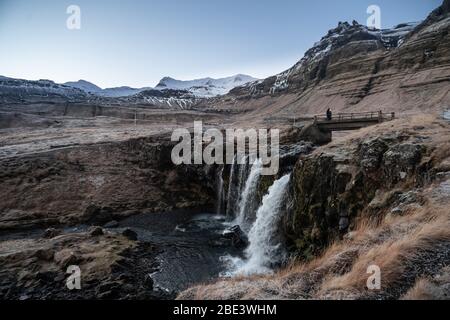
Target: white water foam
[[235, 189], [220, 192], [230, 188], [247, 196], [265, 247]]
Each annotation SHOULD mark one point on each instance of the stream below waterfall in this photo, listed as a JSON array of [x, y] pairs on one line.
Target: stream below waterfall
[[192, 246]]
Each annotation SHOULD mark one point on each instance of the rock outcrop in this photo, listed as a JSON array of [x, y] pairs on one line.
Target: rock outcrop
[[334, 185], [110, 265], [98, 183]]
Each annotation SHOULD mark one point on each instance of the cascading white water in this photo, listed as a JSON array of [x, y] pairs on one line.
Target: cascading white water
[[235, 189], [242, 176], [220, 192], [265, 247], [247, 196], [230, 188]]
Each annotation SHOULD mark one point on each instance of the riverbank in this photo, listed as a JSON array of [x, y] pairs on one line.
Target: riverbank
[[147, 256]]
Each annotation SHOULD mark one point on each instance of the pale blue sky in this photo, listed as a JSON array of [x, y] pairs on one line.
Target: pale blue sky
[[136, 43]]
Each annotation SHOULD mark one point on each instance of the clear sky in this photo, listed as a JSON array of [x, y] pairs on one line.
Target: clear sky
[[137, 42]]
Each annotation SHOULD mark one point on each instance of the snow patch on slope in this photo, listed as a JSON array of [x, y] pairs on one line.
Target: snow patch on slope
[[389, 38]]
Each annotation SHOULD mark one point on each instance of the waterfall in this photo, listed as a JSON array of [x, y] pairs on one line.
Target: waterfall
[[265, 247], [247, 198], [220, 192], [230, 188], [235, 189], [242, 176]]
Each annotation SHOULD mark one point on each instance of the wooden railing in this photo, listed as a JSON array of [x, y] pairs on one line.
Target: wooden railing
[[356, 116]]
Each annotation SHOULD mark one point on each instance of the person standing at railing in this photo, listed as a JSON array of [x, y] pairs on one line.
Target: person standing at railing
[[329, 114]]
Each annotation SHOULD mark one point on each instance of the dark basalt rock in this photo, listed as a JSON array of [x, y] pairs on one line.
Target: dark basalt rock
[[148, 282], [96, 231], [51, 233], [45, 254], [130, 234], [330, 190], [236, 237]]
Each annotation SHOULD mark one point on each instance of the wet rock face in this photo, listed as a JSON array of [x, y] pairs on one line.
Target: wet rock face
[[235, 237], [400, 161], [372, 155], [331, 189], [99, 183]]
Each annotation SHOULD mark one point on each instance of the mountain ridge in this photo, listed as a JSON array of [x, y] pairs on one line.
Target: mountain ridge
[[202, 87], [353, 69]]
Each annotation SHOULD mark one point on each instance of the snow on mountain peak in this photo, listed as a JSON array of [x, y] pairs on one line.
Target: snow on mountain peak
[[336, 38], [205, 87]]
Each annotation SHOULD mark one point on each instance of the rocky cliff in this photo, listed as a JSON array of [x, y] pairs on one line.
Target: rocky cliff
[[340, 183], [99, 182]]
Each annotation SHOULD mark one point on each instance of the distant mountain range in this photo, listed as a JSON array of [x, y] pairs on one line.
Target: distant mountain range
[[91, 88], [351, 68], [201, 88]]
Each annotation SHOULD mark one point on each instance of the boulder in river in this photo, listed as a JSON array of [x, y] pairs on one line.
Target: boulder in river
[[96, 231], [236, 236], [130, 234]]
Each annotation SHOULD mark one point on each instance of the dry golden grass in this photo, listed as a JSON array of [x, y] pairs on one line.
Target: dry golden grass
[[341, 272], [393, 255]]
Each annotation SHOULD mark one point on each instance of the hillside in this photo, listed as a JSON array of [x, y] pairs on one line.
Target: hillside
[[405, 69]]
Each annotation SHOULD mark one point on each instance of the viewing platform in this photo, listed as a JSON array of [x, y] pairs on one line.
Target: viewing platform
[[352, 121]]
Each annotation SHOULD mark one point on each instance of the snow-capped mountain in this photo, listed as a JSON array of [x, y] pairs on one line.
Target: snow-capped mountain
[[206, 87], [315, 59], [46, 91], [200, 88]]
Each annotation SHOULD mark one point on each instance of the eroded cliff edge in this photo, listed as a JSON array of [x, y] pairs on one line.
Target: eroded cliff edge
[[98, 183]]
